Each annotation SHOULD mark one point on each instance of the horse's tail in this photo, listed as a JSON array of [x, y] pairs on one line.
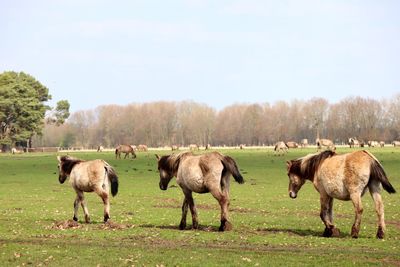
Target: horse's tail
[[113, 178], [231, 166], [378, 173]]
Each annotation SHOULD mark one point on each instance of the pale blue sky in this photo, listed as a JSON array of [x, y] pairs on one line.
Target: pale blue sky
[[213, 52]]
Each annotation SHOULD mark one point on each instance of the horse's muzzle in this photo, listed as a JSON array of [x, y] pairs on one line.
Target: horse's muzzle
[[163, 187], [292, 194], [62, 179]]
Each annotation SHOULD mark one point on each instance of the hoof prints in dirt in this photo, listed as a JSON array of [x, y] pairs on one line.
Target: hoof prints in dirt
[[70, 224]]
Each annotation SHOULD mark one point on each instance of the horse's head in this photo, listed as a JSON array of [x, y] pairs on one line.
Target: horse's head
[[62, 175], [296, 180], [166, 170]]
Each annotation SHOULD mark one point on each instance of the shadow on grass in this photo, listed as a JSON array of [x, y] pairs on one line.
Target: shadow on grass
[[293, 232], [176, 227]]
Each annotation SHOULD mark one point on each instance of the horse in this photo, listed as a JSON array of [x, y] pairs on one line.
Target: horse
[[344, 177], [396, 143], [353, 142], [373, 143], [88, 176], [142, 148], [208, 146], [292, 144], [206, 173], [100, 149], [127, 149], [304, 143], [382, 143], [280, 147], [193, 147], [325, 143], [16, 151]]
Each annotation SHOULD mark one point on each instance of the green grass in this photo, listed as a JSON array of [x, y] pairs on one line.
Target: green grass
[[269, 227]]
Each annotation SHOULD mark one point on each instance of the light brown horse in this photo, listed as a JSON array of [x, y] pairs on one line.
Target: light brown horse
[[292, 144], [88, 176], [127, 149], [328, 144], [280, 147], [204, 173], [344, 177]]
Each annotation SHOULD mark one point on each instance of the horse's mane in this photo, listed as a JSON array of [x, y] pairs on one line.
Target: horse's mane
[[306, 166], [170, 163], [68, 163]]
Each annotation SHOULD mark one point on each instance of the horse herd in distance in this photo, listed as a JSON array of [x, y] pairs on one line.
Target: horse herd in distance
[[280, 147]]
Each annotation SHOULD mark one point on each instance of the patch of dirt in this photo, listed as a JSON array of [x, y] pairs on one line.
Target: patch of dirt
[[69, 224], [114, 226]]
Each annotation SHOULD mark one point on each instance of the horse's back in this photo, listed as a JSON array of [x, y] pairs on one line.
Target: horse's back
[[87, 175], [344, 174], [199, 172]]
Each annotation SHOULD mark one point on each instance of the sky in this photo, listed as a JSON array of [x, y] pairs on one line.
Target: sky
[[214, 52]]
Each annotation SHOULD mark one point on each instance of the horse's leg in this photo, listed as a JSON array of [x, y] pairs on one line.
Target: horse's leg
[[182, 225], [327, 216], [106, 201], [356, 199], [223, 200], [81, 199], [193, 210], [374, 189], [76, 207]]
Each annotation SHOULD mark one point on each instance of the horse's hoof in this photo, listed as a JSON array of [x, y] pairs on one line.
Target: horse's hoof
[[327, 232], [354, 232], [182, 226], [87, 219], [195, 225], [380, 234], [75, 219], [106, 218]]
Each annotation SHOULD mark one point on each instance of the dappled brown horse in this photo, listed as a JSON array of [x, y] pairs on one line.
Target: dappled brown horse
[[88, 176], [206, 173], [127, 149], [328, 144], [344, 177]]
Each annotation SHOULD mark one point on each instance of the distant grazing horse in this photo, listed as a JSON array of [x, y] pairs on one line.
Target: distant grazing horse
[[396, 143], [142, 148], [353, 142], [88, 176], [208, 146], [373, 143], [16, 151], [382, 143], [174, 147], [292, 144], [100, 149], [344, 177], [325, 143], [127, 149], [193, 147], [281, 147], [304, 142], [204, 173]]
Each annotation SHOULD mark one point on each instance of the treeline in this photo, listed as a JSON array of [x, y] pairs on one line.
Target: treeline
[[182, 123]]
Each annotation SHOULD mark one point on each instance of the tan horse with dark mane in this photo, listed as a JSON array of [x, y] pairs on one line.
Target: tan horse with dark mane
[[206, 173], [88, 176], [127, 149], [345, 177]]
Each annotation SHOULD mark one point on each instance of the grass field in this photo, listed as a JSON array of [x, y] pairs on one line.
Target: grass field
[[270, 229]]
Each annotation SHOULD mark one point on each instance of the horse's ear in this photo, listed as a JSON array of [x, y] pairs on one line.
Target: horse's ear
[[158, 157], [288, 164]]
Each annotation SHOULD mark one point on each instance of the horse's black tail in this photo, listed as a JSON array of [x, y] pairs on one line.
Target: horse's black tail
[[112, 176], [231, 166], [378, 173]]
